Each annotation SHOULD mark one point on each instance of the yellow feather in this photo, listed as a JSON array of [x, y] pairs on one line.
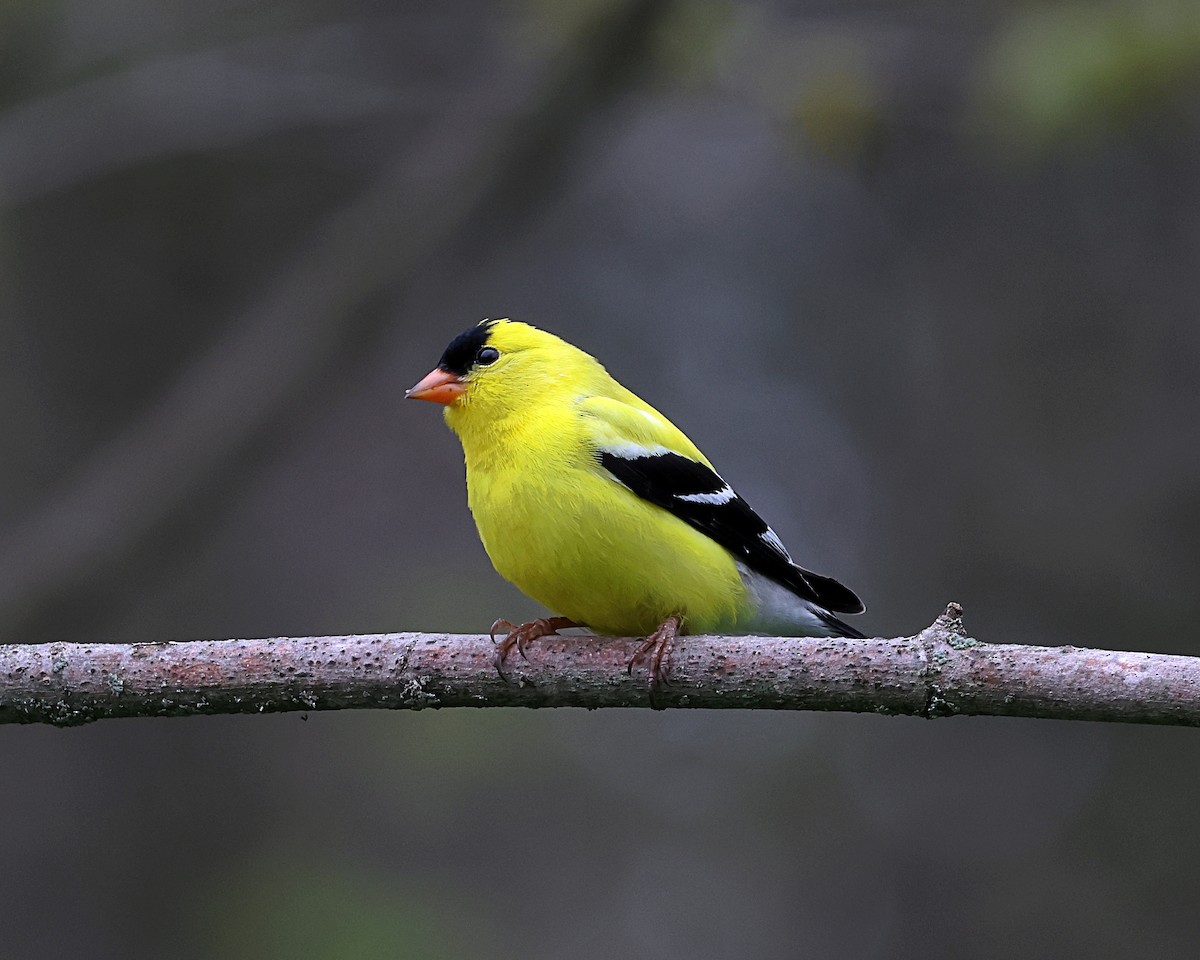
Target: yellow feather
[[553, 521]]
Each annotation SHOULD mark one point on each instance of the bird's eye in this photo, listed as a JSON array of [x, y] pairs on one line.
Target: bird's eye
[[487, 355]]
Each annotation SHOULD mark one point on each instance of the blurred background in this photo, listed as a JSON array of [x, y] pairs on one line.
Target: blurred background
[[920, 277]]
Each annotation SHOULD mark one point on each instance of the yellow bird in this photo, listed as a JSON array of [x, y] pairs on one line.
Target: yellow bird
[[593, 503]]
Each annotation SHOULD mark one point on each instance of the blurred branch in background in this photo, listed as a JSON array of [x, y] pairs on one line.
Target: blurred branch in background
[[940, 672], [168, 105], [306, 319]]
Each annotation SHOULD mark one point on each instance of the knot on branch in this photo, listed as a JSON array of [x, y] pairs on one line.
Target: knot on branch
[[937, 645]]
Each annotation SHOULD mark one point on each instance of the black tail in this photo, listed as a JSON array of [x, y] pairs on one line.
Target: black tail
[[828, 593], [839, 628]]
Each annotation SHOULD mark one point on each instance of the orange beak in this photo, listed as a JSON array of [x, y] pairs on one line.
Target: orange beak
[[438, 387]]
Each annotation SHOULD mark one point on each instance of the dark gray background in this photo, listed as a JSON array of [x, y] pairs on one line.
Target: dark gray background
[[920, 278]]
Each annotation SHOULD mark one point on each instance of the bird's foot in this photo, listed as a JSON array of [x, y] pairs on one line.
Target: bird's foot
[[520, 636], [656, 650]]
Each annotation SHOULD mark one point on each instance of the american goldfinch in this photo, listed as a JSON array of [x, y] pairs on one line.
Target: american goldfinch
[[593, 503]]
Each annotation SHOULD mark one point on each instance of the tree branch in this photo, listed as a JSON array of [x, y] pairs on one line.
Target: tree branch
[[940, 672]]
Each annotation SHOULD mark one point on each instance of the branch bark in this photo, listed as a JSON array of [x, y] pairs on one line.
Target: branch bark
[[940, 672]]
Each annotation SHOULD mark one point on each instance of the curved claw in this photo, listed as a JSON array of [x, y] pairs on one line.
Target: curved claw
[[523, 635], [658, 647]]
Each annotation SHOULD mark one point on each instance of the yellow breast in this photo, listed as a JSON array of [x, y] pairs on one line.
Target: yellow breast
[[575, 540], [558, 526]]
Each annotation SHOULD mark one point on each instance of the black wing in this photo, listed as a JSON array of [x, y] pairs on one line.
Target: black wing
[[698, 496]]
